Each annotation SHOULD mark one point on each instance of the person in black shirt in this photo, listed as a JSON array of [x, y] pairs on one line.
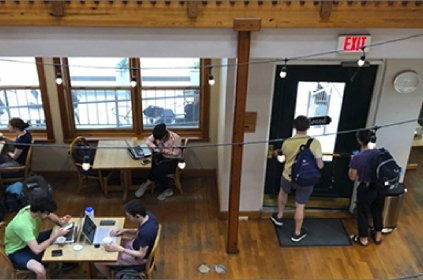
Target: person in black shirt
[[135, 250], [22, 142]]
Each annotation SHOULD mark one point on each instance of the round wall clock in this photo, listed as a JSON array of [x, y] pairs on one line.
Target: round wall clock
[[406, 82]]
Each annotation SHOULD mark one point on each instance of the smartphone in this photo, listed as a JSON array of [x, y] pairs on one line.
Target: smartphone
[[56, 253], [145, 161], [107, 223]]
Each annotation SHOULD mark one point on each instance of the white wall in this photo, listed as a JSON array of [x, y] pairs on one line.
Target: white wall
[[222, 43]]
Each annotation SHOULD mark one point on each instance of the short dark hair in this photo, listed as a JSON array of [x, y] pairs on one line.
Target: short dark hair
[[159, 131], [301, 123], [43, 204], [364, 136], [135, 207]]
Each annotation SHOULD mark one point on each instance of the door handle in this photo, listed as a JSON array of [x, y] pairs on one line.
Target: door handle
[[270, 151]]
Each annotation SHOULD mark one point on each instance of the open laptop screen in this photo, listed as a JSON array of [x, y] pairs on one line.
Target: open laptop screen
[[88, 229]]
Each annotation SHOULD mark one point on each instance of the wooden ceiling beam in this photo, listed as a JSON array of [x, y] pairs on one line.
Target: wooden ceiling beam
[[214, 14]]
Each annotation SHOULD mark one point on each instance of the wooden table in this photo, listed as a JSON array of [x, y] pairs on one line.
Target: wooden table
[[113, 155], [88, 253]]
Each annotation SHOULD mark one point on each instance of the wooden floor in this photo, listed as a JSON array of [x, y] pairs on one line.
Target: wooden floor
[[192, 234]]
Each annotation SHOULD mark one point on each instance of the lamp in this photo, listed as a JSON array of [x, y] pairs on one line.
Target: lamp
[[284, 72], [280, 156], [372, 142], [181, 163], [362, 59], [211, 79], [133, 82], [86, 163], [59, 79]]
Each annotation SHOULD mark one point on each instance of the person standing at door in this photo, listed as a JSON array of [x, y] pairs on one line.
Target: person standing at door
[[290, 148], [166, 153], [370, 199]]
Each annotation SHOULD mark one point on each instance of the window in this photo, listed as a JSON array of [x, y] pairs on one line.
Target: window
[[100, 101], [23, 94]]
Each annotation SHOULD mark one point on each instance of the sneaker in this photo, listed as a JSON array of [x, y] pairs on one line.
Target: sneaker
[[141, 190], [299, 237], [167, 193], [277, 221]]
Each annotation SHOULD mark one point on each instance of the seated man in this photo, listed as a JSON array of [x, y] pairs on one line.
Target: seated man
[[135, 249], [166, 152], [24, 244]]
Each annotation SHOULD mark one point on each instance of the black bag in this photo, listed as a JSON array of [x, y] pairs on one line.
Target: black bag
[[13, 200], [385, 172], [83, 149], [35, 187], [128, 273], [304, 170]]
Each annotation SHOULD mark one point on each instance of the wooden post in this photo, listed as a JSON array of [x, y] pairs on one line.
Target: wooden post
[[244, 28]]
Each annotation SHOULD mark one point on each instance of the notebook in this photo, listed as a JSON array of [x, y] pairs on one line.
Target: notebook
[[71, 235], [95, 234], [138, 152]]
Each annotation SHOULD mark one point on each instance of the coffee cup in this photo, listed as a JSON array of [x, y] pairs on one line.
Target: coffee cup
[[107, 240], [61, 240]]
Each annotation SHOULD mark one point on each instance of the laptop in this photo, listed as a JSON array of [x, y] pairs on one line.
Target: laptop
[[71, 235], [138, 152], [95, 234]]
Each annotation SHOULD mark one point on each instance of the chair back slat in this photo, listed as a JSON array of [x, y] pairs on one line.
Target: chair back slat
[[150, 264]]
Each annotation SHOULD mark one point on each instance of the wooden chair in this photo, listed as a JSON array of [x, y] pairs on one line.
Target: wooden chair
[[84, 175], [5, 261], [176, 177], [12, 174], [150, 264]]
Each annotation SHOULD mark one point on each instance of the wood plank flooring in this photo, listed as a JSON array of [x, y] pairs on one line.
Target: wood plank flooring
[[192, 234]]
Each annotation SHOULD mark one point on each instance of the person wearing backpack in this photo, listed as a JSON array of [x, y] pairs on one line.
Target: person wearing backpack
[[291, 148], [370, 198]]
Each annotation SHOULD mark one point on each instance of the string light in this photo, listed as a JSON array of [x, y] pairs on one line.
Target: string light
[[280, 156], [59, 79], [86, 163], [284, 72], [362, 59], [211, 78], [133, 82], [372, 142], [181, 163]]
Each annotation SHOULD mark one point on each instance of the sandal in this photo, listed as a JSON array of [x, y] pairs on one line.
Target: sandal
[[356, 239], [373, 236]]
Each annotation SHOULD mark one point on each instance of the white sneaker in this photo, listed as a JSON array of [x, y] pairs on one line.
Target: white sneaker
[[141, 190], [165, 194]]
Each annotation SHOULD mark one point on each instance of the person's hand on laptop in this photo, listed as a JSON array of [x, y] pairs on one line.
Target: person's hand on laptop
[[116, 232]]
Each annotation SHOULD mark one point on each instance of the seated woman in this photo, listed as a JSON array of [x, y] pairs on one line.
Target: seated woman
[[21, 144]]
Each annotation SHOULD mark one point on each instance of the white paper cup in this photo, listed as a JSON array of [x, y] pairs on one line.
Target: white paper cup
[[61, 240]]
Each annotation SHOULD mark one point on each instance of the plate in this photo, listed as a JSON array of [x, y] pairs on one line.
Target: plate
[[77, 247]]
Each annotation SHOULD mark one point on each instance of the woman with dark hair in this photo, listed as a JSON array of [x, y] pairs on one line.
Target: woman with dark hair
[[21, 143], [370, 199]]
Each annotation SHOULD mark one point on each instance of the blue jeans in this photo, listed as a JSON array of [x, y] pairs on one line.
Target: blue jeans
[[21, 257]]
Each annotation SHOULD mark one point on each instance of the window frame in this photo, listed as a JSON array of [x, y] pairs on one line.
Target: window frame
[[70, 131], [47, 134]]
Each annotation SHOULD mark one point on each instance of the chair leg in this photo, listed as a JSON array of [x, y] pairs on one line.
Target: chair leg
[[178, 182], [105, 187], [80, 183]]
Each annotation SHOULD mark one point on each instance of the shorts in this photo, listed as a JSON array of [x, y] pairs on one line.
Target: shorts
[[302, 193], [21, 257]]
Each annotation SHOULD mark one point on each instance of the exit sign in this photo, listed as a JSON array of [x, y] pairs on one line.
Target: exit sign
[[353, 43]]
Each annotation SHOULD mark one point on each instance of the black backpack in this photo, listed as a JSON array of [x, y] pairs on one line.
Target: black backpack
[[304, 170], [384, 170], [128, 273]]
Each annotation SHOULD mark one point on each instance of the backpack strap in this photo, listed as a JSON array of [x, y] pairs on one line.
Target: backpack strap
[[309, 142]]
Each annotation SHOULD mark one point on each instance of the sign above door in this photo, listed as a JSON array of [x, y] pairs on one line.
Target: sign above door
[[353, 43]]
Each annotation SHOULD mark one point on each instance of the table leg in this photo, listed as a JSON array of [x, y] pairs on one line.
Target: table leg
[[126, 182]]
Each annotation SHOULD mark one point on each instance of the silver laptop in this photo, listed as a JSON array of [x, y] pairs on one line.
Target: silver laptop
[[71, 235], [138, 152], [95, 234]]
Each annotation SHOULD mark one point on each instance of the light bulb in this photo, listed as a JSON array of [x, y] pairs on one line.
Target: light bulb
[[211, 80], [371, 145], [133, 83], [361, 61], [283, 72], [182, 164], [86, 163], [280, 156], [86, 166], [59, 80]]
